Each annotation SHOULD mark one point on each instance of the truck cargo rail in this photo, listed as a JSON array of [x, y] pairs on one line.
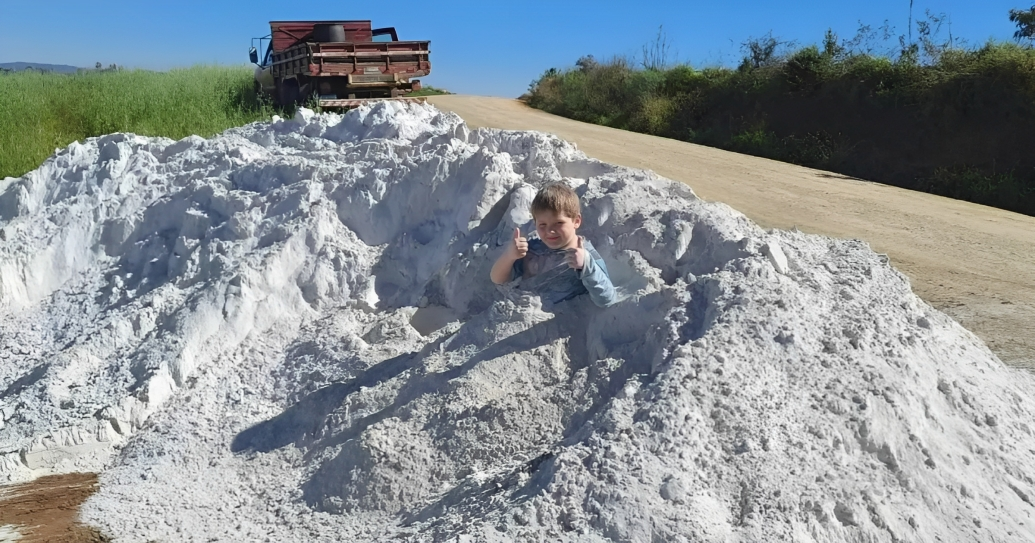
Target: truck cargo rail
[[403, 58]]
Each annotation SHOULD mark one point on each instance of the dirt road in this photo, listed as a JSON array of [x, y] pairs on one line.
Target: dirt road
[[973, 262]]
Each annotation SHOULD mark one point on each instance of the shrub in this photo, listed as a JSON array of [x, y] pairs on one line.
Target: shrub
[[655, 115], [758, 142], [682, 79], [806, 68], [938, 117], [1003, 190], [645, 83]]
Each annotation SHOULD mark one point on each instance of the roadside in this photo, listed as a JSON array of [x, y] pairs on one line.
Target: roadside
[[975, 263], [46, 510]]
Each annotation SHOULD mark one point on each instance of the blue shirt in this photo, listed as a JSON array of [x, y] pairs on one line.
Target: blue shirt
[[544, 271]]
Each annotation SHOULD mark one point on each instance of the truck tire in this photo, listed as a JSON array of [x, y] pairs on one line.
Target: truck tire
[[324, 33], [287, 92]]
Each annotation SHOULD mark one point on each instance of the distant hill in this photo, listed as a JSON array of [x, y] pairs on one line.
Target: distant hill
[[60, 68]]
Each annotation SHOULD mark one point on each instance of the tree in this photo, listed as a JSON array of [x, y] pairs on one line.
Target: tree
[[760, 51], [586, 63], [1025, 21], [98, 66], [909, 27], [655, 54], [832, 48]]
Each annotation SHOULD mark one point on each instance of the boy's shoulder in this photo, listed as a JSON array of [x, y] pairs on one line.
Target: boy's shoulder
[[588, 246]]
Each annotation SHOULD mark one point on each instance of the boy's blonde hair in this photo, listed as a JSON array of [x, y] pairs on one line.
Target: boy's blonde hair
[[558, 198]]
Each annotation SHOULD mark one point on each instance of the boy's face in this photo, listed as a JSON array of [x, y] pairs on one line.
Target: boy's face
[[557, 230]]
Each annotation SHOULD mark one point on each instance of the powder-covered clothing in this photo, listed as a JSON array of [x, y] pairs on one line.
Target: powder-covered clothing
[[544, 271]]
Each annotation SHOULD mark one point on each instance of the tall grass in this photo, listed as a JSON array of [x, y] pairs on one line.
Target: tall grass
[[429, 91], [951, 121], [43, 111]]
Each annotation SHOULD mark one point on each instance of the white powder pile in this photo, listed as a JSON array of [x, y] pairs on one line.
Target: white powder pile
[[287, 332]]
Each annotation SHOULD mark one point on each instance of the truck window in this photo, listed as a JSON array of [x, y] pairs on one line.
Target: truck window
[[266, 57], [384, 35]]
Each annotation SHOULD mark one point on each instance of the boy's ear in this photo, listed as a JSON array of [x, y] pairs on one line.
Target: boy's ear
[[577, 221]]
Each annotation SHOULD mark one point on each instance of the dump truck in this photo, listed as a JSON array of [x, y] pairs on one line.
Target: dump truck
[[341, 64]]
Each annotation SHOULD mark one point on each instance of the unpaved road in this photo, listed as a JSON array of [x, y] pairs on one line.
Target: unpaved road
[[973, 262]]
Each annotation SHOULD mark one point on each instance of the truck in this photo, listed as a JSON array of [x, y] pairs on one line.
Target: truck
[[341, 64]]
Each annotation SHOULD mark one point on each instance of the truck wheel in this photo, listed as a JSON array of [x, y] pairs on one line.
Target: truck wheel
[[288, 90]]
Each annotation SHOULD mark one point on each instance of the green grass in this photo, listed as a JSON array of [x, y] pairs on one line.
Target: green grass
[[42, 111], [429, 91]]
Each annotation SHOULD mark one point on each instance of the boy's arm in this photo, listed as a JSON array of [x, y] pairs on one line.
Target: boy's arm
[[501, 270], [597, 282], [516, 250]]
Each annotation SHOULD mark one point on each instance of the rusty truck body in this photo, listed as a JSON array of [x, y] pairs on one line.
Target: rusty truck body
[[340, 63]]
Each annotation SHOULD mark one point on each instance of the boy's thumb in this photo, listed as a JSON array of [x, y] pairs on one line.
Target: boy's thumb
[[580, 242], [517, 233]]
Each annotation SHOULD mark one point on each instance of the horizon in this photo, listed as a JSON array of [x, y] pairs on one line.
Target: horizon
[[514, 47]]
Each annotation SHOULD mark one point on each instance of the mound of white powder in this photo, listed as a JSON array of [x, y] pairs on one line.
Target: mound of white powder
[[287, 332]]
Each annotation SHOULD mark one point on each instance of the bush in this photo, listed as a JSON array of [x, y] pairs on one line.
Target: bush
[[968, 183], [682, 79], [645, 83], [654, 115], [596, 93], [758, 142], [807, 68], [937, 118]]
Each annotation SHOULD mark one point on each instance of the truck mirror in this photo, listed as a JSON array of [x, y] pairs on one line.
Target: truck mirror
[[253, 55]]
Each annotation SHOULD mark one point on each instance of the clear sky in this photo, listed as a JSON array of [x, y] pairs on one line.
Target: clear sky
[[478, 47]]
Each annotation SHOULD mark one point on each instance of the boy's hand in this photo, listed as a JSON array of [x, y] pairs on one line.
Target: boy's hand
[[519, 247], [576, 258]]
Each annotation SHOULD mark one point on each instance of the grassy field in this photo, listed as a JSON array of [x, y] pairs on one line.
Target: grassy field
[[936, 117], [42, 111]]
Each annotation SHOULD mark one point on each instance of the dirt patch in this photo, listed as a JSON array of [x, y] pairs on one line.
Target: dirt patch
[[47, 509]]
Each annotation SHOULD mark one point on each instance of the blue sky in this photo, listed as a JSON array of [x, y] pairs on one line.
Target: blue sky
[[478, 47]]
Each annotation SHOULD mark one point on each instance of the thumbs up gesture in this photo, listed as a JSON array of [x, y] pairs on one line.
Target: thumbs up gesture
[[576, 257], [519, 246]]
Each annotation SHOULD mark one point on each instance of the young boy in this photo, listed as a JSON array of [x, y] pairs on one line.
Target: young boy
[[557, 217]]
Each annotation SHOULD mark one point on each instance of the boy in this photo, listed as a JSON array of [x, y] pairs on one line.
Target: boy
[[542, 261]]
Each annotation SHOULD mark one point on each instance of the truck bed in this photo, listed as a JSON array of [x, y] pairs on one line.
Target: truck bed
[[369, 62]]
